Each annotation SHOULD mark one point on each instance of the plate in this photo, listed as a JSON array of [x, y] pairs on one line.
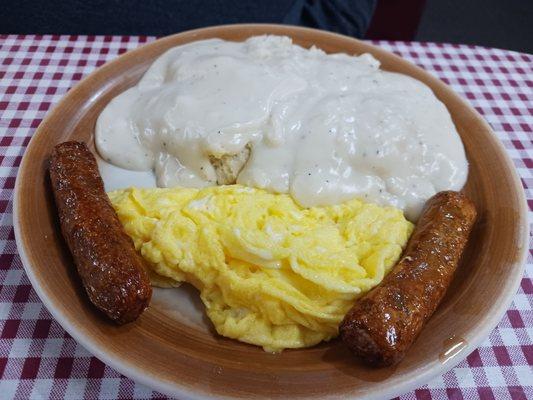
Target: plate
[[172, 347]]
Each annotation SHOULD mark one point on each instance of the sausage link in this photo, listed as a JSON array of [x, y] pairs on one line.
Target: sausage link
[[382, 325], [112, 272]]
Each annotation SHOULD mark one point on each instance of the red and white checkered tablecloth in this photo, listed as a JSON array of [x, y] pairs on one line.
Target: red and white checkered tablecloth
[[39, 360]]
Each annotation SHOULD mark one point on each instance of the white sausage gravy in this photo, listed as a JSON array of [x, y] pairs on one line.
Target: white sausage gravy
[[324, 128]]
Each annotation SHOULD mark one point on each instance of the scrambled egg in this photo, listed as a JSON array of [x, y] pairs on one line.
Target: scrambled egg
[[269, 272]]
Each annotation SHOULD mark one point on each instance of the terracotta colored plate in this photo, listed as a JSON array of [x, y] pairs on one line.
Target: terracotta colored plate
[[176, 356]]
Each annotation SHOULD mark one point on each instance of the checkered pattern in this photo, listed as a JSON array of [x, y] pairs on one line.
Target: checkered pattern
[[39, 360]]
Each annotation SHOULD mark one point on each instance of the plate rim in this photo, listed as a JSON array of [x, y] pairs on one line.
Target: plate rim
[[414, 378]]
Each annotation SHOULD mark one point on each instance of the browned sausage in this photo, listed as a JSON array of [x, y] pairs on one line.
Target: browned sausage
[[382, 325], [111, 270]]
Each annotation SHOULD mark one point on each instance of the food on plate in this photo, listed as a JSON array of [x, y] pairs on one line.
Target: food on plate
[[317, 158], [382, 325], [111, 271], [269, 272], [269, 114]]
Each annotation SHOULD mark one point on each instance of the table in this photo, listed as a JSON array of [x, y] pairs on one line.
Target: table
[[39, 360]]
